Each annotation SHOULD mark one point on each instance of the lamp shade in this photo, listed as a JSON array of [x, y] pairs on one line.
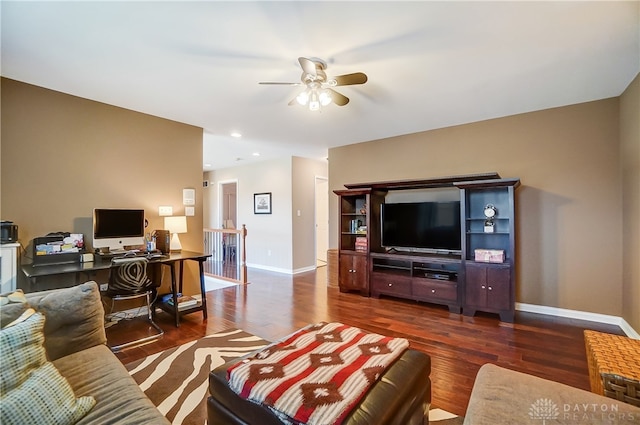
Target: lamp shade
[[176, 224]]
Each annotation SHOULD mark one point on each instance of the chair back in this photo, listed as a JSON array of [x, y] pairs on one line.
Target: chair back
[[129, 276]]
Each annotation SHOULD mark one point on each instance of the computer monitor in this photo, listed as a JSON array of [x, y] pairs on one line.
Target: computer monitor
[[116, 228]]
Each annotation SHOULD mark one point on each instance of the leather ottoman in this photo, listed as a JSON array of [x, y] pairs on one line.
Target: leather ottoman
[[402, 396]]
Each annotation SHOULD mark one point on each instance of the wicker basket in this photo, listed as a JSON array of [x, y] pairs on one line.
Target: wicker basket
[[332, 267], [614, 366]]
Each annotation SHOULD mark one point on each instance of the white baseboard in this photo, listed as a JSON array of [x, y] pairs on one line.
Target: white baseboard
[[269, 268], [279, 270], [305, 269], [580, 315]]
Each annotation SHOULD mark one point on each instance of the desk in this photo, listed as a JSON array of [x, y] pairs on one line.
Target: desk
[[34, 272]]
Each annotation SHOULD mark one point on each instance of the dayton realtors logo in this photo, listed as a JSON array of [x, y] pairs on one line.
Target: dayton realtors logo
[[545, 409]]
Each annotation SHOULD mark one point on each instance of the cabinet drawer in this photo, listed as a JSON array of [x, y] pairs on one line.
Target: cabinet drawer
[[384, 283], [427, 288]]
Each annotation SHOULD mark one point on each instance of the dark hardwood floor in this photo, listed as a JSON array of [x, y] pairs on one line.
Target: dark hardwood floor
[[273, 305]]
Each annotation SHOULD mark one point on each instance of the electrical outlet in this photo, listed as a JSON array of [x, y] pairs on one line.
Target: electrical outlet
[[104, 287]]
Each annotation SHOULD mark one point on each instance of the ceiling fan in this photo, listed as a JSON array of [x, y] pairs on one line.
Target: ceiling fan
[[319, 91]]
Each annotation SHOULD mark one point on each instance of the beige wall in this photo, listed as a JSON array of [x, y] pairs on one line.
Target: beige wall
[[569, 229], [281, 241], [303, 185], [630, 162], [269, 236], [62, 156]]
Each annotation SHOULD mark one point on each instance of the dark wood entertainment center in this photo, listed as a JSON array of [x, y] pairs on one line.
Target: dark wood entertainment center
[[456, 280]]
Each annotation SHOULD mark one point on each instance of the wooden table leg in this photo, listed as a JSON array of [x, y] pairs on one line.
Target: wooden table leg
[[174, 287], [181, 275], [203, 291]]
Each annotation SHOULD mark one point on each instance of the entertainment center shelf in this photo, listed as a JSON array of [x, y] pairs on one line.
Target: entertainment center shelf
[[454, 276], [427, 278]]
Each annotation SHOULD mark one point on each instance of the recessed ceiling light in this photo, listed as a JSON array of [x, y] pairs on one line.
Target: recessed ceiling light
[[256, 154], [236, 135]]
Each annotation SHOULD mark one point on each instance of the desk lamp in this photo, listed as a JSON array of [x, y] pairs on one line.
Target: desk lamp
[[175, 225]]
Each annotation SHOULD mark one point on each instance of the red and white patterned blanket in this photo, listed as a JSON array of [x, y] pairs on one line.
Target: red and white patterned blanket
[[318, 374]]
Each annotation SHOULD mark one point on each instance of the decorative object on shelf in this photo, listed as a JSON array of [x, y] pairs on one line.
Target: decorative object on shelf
[[262, 203], [361, 244], [354, 226], [490, 212], [489, 255], [363, 210], [175, 225]]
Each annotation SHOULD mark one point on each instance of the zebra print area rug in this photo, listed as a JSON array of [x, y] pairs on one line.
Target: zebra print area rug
[[176, 380]]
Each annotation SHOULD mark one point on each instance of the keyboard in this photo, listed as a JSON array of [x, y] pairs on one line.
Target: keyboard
[[144, 254]]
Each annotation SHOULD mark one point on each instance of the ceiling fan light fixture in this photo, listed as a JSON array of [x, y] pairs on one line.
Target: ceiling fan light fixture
[[314, 102], [319, 90], [324, 98], [303, 98]]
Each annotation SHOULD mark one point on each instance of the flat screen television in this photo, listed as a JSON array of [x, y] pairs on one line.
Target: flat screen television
[[116, 228], [422, 226]]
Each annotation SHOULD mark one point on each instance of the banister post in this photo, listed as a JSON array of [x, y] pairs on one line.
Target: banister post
[[243, 266]]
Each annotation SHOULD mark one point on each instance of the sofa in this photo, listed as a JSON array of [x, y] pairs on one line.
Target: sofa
[[504, 396], [75, 344]]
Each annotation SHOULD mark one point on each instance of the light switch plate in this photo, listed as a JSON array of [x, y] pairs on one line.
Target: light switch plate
[[164, 211], [189, 211]]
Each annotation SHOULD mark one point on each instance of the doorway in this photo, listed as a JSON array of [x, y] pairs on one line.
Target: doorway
[[228, 205], [322, 220], [229, 220]]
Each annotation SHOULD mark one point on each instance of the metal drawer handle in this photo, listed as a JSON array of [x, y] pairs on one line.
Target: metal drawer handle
[[433, 291], [483, 287], [390, 285], [490, 288]]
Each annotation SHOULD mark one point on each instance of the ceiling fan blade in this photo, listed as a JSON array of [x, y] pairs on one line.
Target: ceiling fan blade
[[349, 79], [294, 101], [308, 66], [337, 98], [279, 84]]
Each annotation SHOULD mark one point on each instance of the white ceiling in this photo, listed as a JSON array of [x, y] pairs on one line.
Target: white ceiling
[[430, 64]]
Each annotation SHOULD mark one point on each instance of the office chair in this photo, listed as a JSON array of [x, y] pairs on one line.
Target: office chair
[[128, 280]]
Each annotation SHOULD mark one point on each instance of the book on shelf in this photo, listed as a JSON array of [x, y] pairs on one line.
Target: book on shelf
[[361, 244], [183, 302]]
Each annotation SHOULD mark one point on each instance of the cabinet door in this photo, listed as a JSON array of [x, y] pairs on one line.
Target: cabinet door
[[476, 285], [353, 273], [499, 287], [488, 287], [345, 272], [360, 280]]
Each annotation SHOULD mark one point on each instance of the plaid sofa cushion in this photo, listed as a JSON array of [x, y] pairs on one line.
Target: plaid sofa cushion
[[31, 388]]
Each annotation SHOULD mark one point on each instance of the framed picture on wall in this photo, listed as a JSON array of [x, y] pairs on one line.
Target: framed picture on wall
[[262, 203]]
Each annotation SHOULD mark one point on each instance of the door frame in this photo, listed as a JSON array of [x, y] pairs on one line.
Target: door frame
[[318, 182]]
